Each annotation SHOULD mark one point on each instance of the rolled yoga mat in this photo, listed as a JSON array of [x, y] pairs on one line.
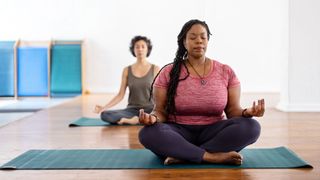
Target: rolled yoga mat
[[32, 71], [66, 70], [7, 68], [273, 158], [84, 121]]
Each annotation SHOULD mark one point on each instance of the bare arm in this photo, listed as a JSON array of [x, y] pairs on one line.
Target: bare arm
[[156, 70], [233, 108], [116, 99], [160, 96]]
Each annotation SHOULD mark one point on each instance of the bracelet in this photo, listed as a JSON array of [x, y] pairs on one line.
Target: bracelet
[[243, 115], [157, 119]]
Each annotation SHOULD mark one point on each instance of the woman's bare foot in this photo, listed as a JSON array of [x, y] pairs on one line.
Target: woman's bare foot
[[232, 157], [134, 120], [171, 160]]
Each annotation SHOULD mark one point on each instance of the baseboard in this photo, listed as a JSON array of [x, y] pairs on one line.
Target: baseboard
[[298, 107]]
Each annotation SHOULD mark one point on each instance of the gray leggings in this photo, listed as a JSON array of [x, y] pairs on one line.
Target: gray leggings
[[113, 116], [190, 142]]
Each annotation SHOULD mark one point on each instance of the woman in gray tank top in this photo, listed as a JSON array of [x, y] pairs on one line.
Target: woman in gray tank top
[[138, 77]]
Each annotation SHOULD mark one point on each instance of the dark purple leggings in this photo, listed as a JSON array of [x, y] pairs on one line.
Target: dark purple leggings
[[189, 142]]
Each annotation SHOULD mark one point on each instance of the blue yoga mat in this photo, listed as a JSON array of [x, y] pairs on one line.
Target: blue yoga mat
[[32, 71], [66, 70], [84, 121], [7, 68], [271, 158]]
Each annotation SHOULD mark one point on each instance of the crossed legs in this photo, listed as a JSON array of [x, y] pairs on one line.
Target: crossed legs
[[217, 143]]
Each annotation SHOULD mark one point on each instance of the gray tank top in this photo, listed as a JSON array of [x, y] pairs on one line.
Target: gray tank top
[[139, 89]]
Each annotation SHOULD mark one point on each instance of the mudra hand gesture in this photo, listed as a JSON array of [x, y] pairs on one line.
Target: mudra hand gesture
[[146, 119], [256, 109], [98, 109]]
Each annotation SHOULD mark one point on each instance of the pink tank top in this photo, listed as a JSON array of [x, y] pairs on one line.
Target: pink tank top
[[198, 104]]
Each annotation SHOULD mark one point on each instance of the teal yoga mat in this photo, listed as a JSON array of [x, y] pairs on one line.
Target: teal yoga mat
[[280, 157], [84, 121], [88, 122], [66, 70]]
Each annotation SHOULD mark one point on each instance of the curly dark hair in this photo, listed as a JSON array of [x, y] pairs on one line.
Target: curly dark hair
[[178, 61], [138, 38]]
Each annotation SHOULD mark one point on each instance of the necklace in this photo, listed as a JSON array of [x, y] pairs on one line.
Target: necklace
[[202, 81]]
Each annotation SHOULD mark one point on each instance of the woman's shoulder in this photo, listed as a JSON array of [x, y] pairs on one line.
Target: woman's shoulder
[[156, 68], [125, 70], [220, 66]]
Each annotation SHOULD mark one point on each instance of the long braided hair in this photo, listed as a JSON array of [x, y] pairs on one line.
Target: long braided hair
[[178, 61]]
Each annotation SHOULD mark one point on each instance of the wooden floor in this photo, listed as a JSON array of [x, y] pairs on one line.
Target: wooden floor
[[48, 129]]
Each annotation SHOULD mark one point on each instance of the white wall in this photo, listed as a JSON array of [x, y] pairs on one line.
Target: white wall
[[249, 35], [301, 80]]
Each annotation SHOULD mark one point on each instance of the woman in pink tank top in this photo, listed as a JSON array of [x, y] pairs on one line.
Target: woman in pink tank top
[[191, 96]]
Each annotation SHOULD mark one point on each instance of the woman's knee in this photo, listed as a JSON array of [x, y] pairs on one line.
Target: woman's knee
[[108, 117], [149, 134], [145, 134], [252, 128]]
